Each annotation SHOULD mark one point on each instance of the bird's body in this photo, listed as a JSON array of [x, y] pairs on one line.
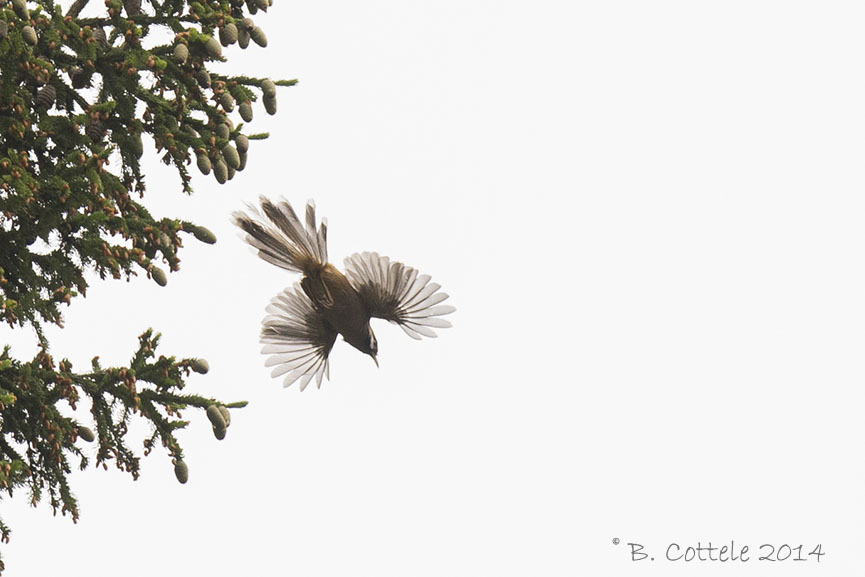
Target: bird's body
[[304, 321], [339, 303]]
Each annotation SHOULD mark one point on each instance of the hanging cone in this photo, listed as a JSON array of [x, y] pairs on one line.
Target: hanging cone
[[159, 276], [227, 101], [181, 53], [203, 78], [215, 416], [133, 7], [243, 37], [200, 366], [226, 415], [29, 35], [181, 471], [99, 36], [96, 131], [20, 8], [245, 110], [232, 159], [86, 434], [202, 234], [228, 34], [45, 97], [220, 171], [257, 35], [203, 162], [213, 48], [268, 88], [222, 131]]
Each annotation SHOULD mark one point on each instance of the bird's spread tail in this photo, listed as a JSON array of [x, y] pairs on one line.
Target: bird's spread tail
[[281, 238]]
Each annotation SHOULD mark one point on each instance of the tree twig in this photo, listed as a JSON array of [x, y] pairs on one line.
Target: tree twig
[[76, 8]]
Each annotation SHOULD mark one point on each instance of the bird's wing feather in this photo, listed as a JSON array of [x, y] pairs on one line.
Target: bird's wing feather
[[395, 292], [280, 237], [297, 339]]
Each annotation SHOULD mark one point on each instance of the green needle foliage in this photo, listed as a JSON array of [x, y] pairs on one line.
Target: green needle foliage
[[77, 92]]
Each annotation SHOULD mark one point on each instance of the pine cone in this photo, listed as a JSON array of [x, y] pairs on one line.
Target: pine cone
[[133, 7], [220, 171], [203, 162], [45, 97], [257, 35], [181, 53], [216, 418], [268, 88], [29, 35], [181, 471], [203, 78], [4, 30], [99, 36], [158, 276], [226, 415], [20, 8], [243, 37], [228, 34], [213, 48], [96, 131], [202, 234], [222, 131], [227, 101], [232, 159], [245, 110], [242, 143], [86, 434], [270, 104], [200, 366], [79, 78]]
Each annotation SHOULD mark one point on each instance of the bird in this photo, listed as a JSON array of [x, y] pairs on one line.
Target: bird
[[304, 320]]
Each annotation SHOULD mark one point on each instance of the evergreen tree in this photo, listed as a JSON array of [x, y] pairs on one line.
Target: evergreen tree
[[78, 91]]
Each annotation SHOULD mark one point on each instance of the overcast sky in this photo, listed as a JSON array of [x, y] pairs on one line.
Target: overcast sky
[[649, 217]]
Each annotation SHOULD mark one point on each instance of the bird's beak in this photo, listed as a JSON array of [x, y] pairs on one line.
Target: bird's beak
[[375, 360]]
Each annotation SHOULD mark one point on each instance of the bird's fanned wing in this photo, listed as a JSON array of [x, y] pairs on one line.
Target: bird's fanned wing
[[297, 338], [281, 238], [395, 292]]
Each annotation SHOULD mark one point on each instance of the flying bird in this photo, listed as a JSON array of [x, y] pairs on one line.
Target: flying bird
[[305, 319]]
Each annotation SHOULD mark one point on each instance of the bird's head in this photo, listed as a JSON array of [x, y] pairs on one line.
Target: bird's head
[[364, 341], [371, 345]]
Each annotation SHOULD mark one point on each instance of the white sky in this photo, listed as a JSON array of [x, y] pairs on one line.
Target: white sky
[[649, 216]]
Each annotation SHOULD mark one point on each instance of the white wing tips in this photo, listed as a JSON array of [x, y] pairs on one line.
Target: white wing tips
[[305, 377]]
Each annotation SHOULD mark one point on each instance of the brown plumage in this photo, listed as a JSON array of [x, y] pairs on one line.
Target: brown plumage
[[305, 320]]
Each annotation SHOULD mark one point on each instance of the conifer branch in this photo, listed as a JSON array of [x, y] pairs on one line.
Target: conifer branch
[[76, 94]]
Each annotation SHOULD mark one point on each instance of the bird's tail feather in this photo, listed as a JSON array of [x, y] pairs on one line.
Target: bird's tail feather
[[281, 238]]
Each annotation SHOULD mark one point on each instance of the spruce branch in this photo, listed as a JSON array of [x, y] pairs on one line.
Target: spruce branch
[[39, 437], [76, 94]]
